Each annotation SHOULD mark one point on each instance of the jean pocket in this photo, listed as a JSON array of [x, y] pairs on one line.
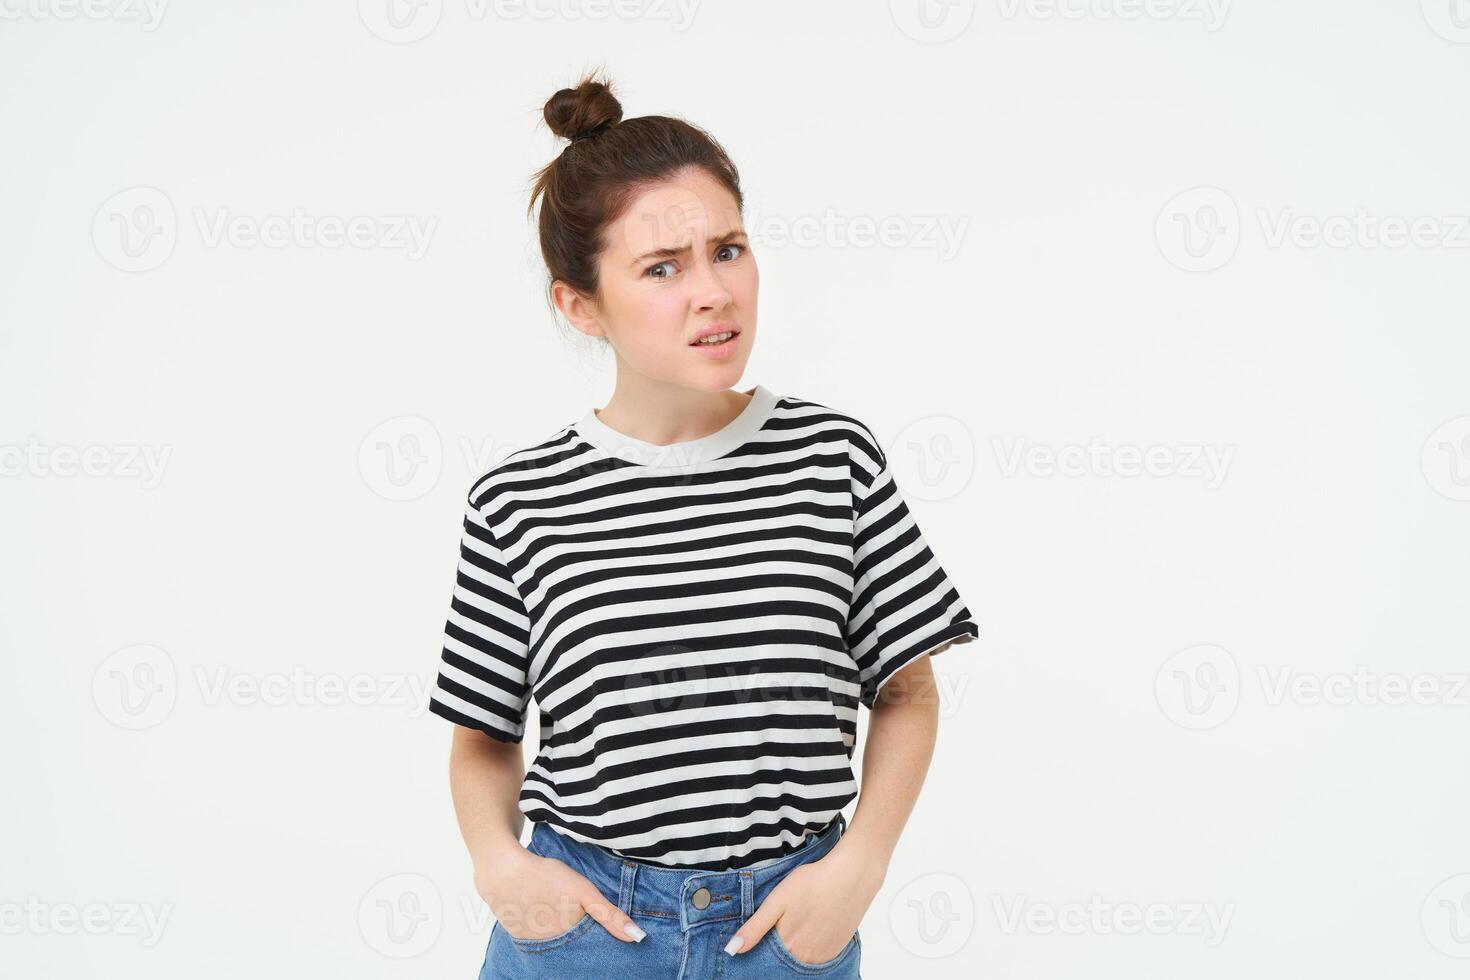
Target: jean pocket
[[850, 951], [579, 927]]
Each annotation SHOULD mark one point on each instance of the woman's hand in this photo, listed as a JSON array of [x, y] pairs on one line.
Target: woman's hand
[[816, 909], [533, 897]]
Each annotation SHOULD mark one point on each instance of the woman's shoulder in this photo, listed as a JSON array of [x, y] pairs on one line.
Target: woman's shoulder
[[840, 423], [531, 465]]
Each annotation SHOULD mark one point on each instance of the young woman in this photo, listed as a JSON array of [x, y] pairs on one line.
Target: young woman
[[697, 586]]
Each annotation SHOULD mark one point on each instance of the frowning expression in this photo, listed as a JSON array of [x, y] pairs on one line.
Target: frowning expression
[[677, 284]]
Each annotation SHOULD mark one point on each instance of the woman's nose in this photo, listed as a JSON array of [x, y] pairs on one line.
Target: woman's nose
[[709, 290]]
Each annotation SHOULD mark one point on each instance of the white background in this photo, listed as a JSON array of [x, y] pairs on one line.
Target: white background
[[1136, 267]]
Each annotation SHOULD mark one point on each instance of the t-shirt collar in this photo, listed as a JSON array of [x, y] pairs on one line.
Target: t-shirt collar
[[681, 455]]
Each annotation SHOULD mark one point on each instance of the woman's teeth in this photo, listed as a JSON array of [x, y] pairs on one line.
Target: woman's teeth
[[716, 338]]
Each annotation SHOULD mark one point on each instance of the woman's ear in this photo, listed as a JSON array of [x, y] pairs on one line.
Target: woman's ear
[[580, 311]]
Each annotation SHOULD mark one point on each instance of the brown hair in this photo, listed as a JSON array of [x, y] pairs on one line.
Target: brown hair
[[596, 176]]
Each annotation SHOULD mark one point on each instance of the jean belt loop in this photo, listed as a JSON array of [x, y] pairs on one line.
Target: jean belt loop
[[625, 889], [747, 895]]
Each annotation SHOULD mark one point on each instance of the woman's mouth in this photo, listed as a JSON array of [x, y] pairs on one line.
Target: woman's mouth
[[717, 344]]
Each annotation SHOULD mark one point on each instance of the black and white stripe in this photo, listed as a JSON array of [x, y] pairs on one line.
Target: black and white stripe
[[696, 623]]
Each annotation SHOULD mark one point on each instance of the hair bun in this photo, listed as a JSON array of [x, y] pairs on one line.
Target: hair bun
[[589, 106]]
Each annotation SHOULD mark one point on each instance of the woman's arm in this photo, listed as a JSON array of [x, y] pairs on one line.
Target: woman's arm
[[902, 728], [485, 777], [820, 905], [530, 896]]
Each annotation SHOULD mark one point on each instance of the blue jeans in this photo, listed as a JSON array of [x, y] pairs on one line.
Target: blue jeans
[[684, 942]]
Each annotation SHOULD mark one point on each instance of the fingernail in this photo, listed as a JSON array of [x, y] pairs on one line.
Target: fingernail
[[733, 946], [635, 933]]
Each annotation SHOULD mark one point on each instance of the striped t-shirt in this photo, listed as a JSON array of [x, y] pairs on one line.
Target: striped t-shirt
[[696, 624]]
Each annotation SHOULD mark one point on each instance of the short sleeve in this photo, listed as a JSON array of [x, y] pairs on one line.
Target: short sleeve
[[483, 669], [903, 602]]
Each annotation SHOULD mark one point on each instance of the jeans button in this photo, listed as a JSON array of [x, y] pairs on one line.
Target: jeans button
[[701, 898]]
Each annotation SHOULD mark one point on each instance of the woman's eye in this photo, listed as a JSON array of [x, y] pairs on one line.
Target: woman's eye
[[652, 271], [732, 258]]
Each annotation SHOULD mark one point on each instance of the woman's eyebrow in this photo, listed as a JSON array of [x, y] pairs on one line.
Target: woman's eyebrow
[[660, 253]]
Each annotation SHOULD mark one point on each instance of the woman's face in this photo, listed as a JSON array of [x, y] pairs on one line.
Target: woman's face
[[675, 266]]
